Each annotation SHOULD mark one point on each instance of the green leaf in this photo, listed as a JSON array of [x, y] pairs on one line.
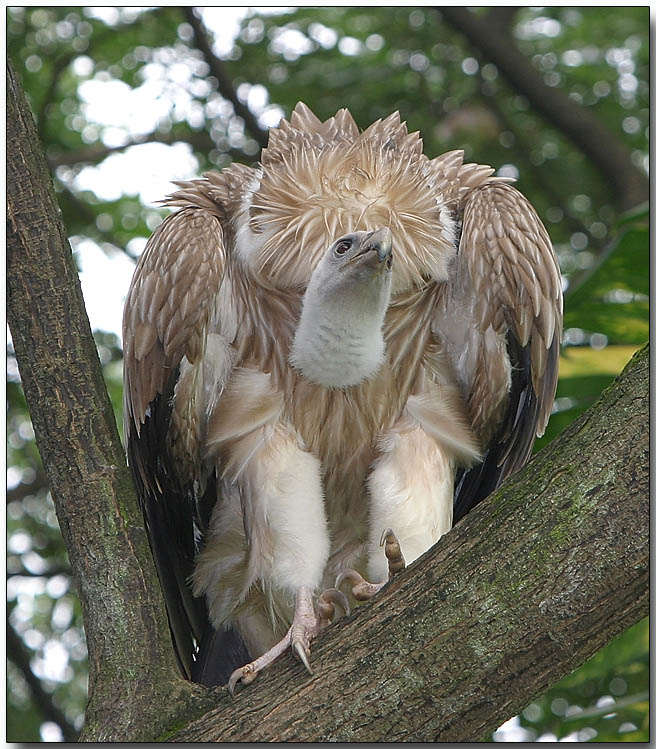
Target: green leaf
[[614, 299]]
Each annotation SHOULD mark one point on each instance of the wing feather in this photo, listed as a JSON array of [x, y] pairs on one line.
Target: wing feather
[[168, 316], [514, 270], [509, 298], [171, 297]]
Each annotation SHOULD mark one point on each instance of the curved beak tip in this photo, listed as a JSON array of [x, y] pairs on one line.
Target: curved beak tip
[[381, 239]]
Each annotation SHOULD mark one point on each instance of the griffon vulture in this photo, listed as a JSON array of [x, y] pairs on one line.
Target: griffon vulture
[[351, 341]]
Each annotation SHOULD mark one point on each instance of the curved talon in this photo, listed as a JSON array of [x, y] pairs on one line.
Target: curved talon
[[395, 560], [362, 590], [326, 605], [385, 534], [303, 629], [336, 596], [302, 652], [348, 574], [244, 674], [235, 676]]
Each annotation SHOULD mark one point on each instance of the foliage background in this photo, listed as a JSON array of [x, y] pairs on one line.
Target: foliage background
[[205, 110]]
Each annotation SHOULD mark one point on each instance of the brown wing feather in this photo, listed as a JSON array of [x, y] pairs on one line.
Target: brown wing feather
[[165, 327], [515, 285], [509, 289], [169, 303]]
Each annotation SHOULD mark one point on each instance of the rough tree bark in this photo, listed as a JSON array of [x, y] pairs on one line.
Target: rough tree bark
[[492, 34], [79, 444], [523, 590]]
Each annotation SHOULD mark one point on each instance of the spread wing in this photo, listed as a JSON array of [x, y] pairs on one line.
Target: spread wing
[[167, 318], [506, 295]]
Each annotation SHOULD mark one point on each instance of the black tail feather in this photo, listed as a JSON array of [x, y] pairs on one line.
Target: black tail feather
[[511, 446], [219, 654]]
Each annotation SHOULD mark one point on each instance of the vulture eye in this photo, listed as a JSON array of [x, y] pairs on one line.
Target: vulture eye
[[342, 247]]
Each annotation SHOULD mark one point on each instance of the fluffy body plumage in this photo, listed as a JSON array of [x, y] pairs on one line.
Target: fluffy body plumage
[[256, 481]]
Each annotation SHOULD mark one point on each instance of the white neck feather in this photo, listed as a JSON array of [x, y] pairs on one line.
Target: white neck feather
[[339, 340]]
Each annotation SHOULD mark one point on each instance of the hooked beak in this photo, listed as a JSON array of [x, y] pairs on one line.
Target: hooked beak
[[380, 242]]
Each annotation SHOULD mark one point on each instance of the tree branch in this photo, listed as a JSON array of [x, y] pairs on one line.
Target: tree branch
[[588, 133], [217, 69], [97, 152], [503, 16]]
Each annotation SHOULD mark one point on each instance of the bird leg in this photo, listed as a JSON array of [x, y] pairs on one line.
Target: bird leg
[[305, 626], [363, 590]]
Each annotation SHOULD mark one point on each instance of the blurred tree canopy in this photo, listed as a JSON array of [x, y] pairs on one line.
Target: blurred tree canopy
[[513, 105]]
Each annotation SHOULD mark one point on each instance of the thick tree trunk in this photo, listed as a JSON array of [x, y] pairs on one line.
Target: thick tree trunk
[[125, 622], [523, 590], [491, 34]]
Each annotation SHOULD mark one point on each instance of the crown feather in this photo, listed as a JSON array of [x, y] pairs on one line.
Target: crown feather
[[322, 179]]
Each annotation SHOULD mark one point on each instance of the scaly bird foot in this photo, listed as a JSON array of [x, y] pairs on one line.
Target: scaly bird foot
[[304, 627], [363, 590]]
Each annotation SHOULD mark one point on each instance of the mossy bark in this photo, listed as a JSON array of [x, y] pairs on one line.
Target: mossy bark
[[527, 587]]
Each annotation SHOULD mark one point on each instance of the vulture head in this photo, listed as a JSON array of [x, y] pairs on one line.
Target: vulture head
[[322, 180], [339, 340]]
